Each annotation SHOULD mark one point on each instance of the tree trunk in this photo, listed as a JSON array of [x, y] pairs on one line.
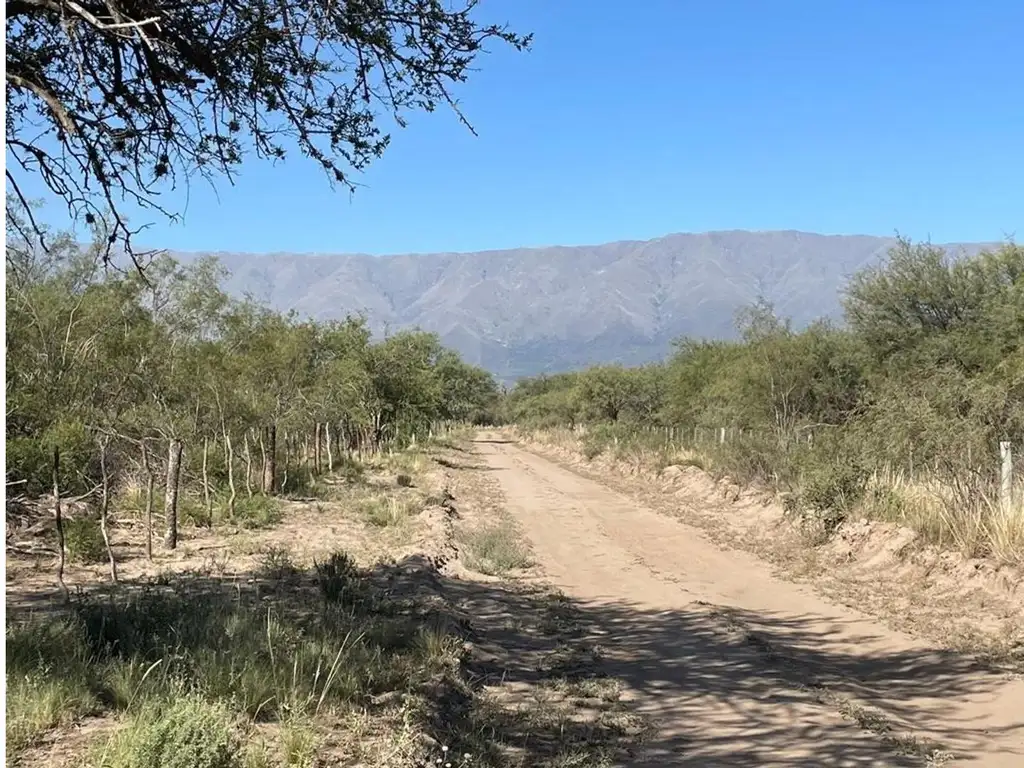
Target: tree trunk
[[105, 510], [269, 450], [60, 525], [174, 449], [309, 441], [263, 460], [206, 482], [248, 466], [231, 475], [270, 463], [316, 447], [330, 453], [150, 483]]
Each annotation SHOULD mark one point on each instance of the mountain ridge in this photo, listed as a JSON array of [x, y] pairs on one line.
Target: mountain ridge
[[523, 311]]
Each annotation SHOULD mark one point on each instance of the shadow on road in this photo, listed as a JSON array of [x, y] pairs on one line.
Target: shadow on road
[[708, 675], [720, 687]]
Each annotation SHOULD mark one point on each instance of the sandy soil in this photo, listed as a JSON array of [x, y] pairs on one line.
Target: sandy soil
[[527, 686], [734, 665]]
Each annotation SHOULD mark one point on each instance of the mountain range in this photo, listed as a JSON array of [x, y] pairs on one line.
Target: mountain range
[[525, 311]]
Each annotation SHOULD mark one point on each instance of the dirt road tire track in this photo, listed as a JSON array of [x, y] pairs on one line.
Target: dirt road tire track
[[734, 666]]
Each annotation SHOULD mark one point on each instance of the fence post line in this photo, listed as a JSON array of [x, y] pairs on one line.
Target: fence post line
[[1005, 474]]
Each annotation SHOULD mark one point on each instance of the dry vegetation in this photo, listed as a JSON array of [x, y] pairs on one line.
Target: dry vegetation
[[961, 514], [328, 634], [900, 415], [892, 554]]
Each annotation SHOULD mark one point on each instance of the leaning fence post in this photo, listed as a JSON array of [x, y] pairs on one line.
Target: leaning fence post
[[1006, 474]]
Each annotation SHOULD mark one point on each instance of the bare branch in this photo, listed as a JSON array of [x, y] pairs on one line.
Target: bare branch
[[139, 95]]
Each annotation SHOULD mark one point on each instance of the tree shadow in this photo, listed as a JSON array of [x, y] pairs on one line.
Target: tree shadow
[[735, 687], [719, 686], [449, 464]]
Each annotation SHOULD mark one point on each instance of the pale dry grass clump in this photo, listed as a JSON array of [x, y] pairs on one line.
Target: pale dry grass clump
[[495, 548], [965, 515], [386, 510], [412, 462]]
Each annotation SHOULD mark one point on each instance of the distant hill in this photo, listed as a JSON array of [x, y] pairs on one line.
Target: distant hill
[[530, 310]]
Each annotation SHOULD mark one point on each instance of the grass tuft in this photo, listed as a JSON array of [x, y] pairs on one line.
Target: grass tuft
[[495, 549], [384, 511]]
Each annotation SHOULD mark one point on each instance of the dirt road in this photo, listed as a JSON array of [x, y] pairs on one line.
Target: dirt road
[[736, 667]]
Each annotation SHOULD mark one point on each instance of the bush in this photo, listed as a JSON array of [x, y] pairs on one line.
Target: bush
[[277, 564], [189, 732], [251, 513], [49, 680], [832, 484], [351, 470], [336, 576], [754, 459], [31, 459], [84, 540], [193, 511]]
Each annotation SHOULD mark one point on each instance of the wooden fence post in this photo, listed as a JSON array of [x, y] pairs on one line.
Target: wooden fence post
[[721, 435]]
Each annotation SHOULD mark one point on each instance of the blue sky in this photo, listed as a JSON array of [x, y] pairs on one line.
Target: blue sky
[[634, 120]]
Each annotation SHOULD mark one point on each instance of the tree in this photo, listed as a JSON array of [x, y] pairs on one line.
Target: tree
[[117, 100], [607, 390], [468, 393]]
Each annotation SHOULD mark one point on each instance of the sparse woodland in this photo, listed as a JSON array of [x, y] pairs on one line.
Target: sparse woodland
[[154, 402], [898, 414], [190, 406]]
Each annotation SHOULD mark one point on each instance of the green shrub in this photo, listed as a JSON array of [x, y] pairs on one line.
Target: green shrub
[[831, 485], [336, 576], [351, 470], [754, 459], [84, 540], [188, 732], [49, 678], [259, 511], [193, 511], [277, 564], [31, 459]]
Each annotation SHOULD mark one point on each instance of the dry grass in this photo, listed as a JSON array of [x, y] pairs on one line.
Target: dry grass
[[180, 666], [385, 510], [966, 516], [960, 513], [494, 548], [252, 647]]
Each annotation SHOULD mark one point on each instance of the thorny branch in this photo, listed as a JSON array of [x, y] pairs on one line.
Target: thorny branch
[[112, 103]]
